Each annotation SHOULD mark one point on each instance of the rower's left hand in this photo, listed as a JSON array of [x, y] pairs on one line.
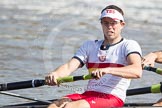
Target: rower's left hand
[[98, 73], [149, 60]]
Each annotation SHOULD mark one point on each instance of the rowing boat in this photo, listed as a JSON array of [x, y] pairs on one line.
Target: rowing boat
[[44, 105]]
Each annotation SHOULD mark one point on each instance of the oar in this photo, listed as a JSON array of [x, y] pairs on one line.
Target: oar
[[24, 97], [156, 88], [153, 69], [39, 82]]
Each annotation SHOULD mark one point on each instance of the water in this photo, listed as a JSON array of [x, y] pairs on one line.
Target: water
[[37, 36]]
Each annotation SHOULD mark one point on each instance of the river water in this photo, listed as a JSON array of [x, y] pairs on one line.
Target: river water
[[37, 36]]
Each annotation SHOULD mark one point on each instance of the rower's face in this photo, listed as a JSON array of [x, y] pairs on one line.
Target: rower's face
[[111, 28]]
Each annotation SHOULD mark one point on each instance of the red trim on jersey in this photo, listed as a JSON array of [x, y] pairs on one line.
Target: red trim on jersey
[[103, 65]]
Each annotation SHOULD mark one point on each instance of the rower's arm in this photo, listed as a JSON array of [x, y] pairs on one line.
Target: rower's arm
[[62, 71], [68, 68], [132, 70]]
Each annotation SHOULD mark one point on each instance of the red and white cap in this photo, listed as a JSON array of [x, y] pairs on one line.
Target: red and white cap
[[112, 13]]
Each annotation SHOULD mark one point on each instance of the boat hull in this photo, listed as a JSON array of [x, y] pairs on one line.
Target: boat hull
[[44, 105]]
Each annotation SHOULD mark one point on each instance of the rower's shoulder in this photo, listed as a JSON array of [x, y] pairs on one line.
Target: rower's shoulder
[[129, 41]]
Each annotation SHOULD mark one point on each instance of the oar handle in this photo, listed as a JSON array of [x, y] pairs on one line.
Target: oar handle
[[74, 78], [153, 69]]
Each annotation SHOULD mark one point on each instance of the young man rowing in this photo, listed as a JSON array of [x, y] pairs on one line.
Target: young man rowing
[[150, 60], [114, 61]]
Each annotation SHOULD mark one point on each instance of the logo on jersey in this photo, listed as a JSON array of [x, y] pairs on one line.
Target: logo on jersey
[[102, 58], [102, 55]]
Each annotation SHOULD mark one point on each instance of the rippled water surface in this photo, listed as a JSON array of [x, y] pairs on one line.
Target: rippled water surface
[[37, 36]]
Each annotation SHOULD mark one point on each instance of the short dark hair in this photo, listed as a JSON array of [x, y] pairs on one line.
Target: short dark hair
[[114, 7]]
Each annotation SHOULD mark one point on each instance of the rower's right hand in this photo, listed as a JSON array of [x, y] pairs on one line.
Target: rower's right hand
[[51, 79]]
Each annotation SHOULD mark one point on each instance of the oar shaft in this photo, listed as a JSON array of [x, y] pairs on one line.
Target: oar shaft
[[21, 85], [138, 91], [153, 69]]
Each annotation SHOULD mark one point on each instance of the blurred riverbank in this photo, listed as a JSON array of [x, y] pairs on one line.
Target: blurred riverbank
[[37, 36]]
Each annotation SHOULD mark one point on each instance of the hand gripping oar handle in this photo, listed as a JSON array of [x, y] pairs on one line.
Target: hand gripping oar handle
[[156, 88], [156, 70], [39, 82]]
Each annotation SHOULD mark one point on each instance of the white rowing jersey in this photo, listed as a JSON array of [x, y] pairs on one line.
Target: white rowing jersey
[[115, 55]]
